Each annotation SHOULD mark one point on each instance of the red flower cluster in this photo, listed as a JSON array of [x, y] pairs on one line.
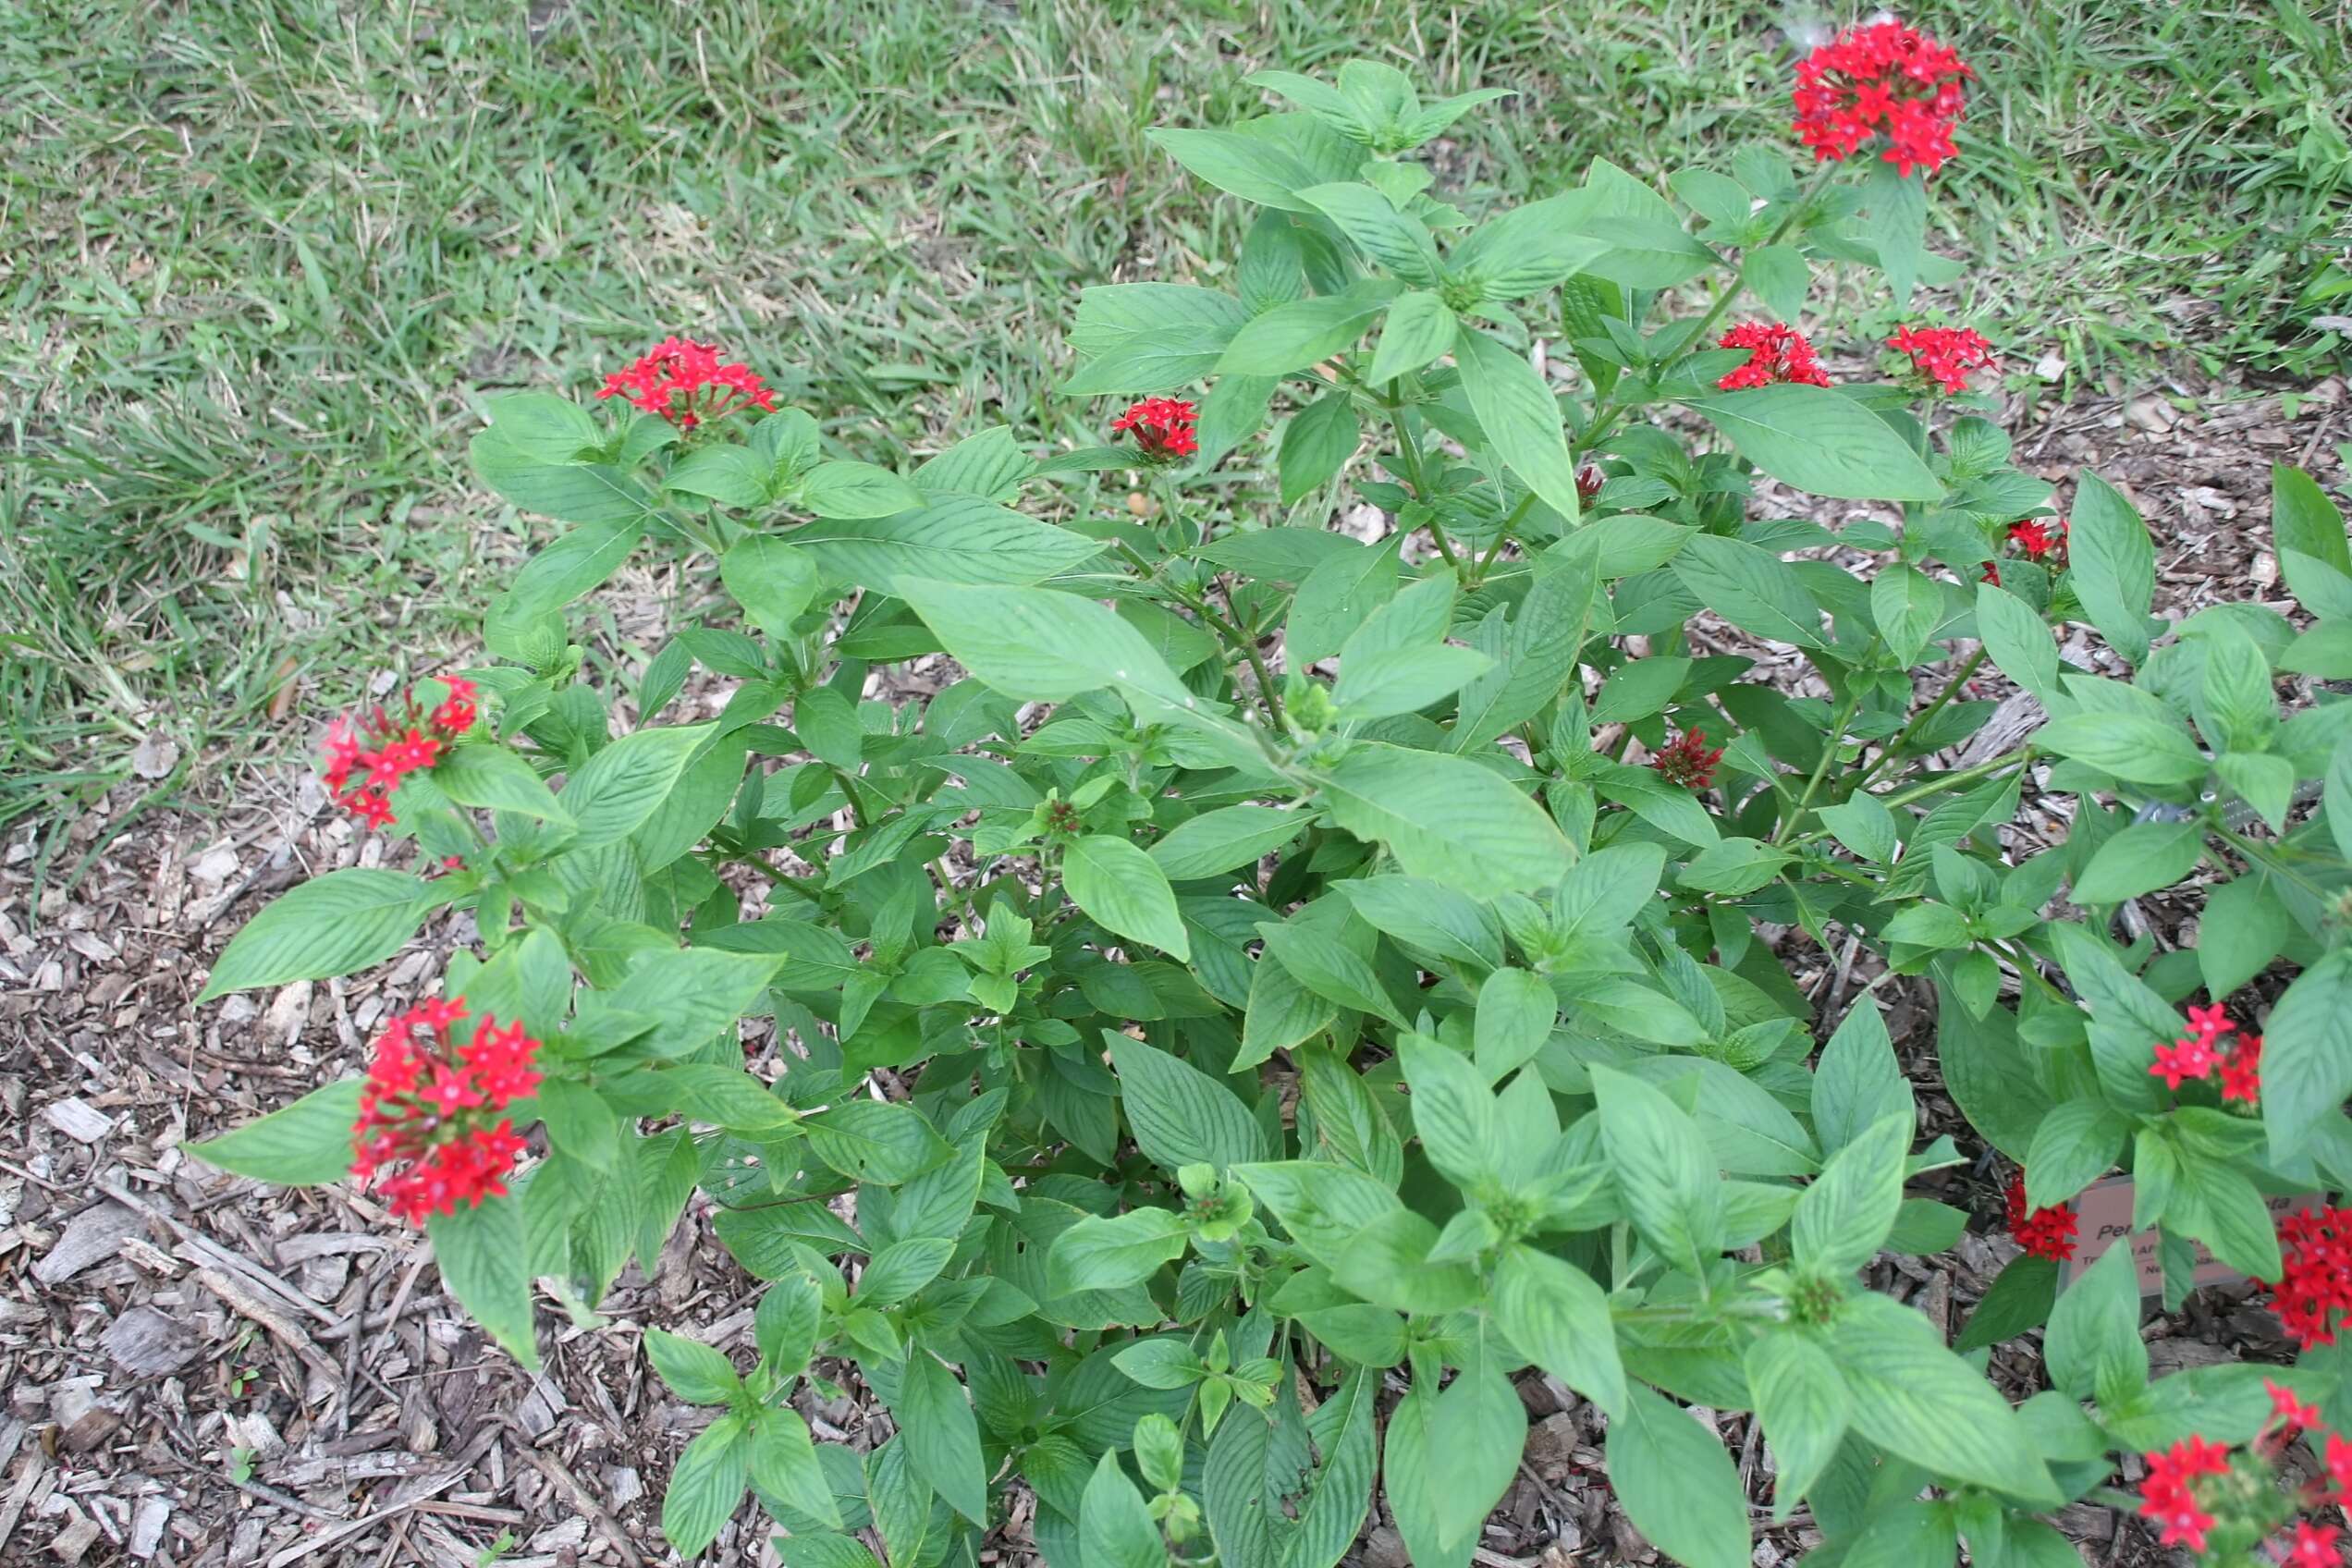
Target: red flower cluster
[[685, 382], [2043, 1232], [1943, 354], [1777, 352], [380, 749], [2202, 1053], [432, 1108], [2247, 1508], [2315, 1248], [1884, 77], [2039, 538], [1686, 761], [1162, 427], [1590, 479]]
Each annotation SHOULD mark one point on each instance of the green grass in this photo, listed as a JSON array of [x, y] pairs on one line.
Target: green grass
[[261, 257]]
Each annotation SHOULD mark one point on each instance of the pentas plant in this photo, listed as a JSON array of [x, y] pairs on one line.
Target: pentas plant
[[1264, 990]]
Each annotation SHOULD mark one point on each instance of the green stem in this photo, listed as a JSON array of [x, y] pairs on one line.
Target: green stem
[[811, 890], [1968, 668], [1232, 632], [1844, 716], [1502, 536]]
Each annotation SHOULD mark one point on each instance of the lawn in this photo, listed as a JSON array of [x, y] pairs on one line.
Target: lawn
[[262, 257]]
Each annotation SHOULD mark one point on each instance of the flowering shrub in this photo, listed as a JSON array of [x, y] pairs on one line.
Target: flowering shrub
[[1266, 977]]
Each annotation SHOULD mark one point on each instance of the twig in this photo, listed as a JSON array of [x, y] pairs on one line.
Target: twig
[[569, 1483], [287, 1500], [232, 1291], [234, 1262]]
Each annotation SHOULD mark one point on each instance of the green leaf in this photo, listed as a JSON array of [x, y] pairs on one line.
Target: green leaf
[[1453, 1109], [1035, 644], [2307, 1053], [902, 1268], [1778, 275], [1446, 818], [1180, 1116], [1423, 914], [2020, 1298], [1255, 168], [1160, 1364], [571, 566], [855, 490], [1324, 1207], [1227, 836], [1844, 1215], [2128, 1019], [1307, 332], [705, 1486], [1122, 888], [1521, 419], [1263, 1512], [1420, 329], [1677, 1483], [1858, 1082], [2133, 746], [954, 539], [485, 1265], [2235, 707], [1819, 441], [942, 1437], [1559, 1319], [1907, 605], [2075, 1144], [1114, 1528], [493, 778], [773, 581], [1316, 443], [1450, 1457], [307, 1144], [2142, 858], [784, 1464], [611, 794], [1527, 249], [1896, 226], [1803, 1404], [733, 476], [1863, 824], [876, 1141], [1671, 1185], [1919, 1401], [2303, 520], [542, 425], [590, 494], [1734, 867], [693, 994], [1389, 238], [1156, 361], [331, 924], [1104, 1252], [1401, 680], [2093, 1349], [1516, 1010], [2114, 567], [2244, 926], [2020, 644], [1328, 968], [695, 1372], [1752, 588], [1640, 688]]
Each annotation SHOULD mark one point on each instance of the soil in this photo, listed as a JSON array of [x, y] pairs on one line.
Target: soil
[[203, 1372]]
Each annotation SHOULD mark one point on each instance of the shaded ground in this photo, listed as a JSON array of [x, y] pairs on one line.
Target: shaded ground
[[205, 1373]]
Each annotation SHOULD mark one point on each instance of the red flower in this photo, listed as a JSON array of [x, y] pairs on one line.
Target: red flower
[[2169, 1493], [430, 1109], [2242, 1071], [686, 383], [2193, 1055], [2037, 539], [1776, 352], [1162, 426], [383, 748], [1686, 761], [1943, 354], [1590, 479], [2043, 1232], [1991, 573], [2313, 1547], [1881, 79], [2289, 1409], [2339, 1464], [2315, 1248]]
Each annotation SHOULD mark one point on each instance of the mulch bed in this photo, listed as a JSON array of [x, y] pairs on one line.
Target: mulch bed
[[205, 1372]]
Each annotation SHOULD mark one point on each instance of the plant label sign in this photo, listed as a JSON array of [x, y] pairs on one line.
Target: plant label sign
[[2103, 1213]]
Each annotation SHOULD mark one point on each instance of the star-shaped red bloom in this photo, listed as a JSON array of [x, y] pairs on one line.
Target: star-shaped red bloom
[[1777, 353], [1884, 79]]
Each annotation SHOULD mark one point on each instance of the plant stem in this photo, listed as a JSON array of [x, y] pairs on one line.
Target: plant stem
[[1844, 716], [1502, 536], [1198, 604], [1968, 666]]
